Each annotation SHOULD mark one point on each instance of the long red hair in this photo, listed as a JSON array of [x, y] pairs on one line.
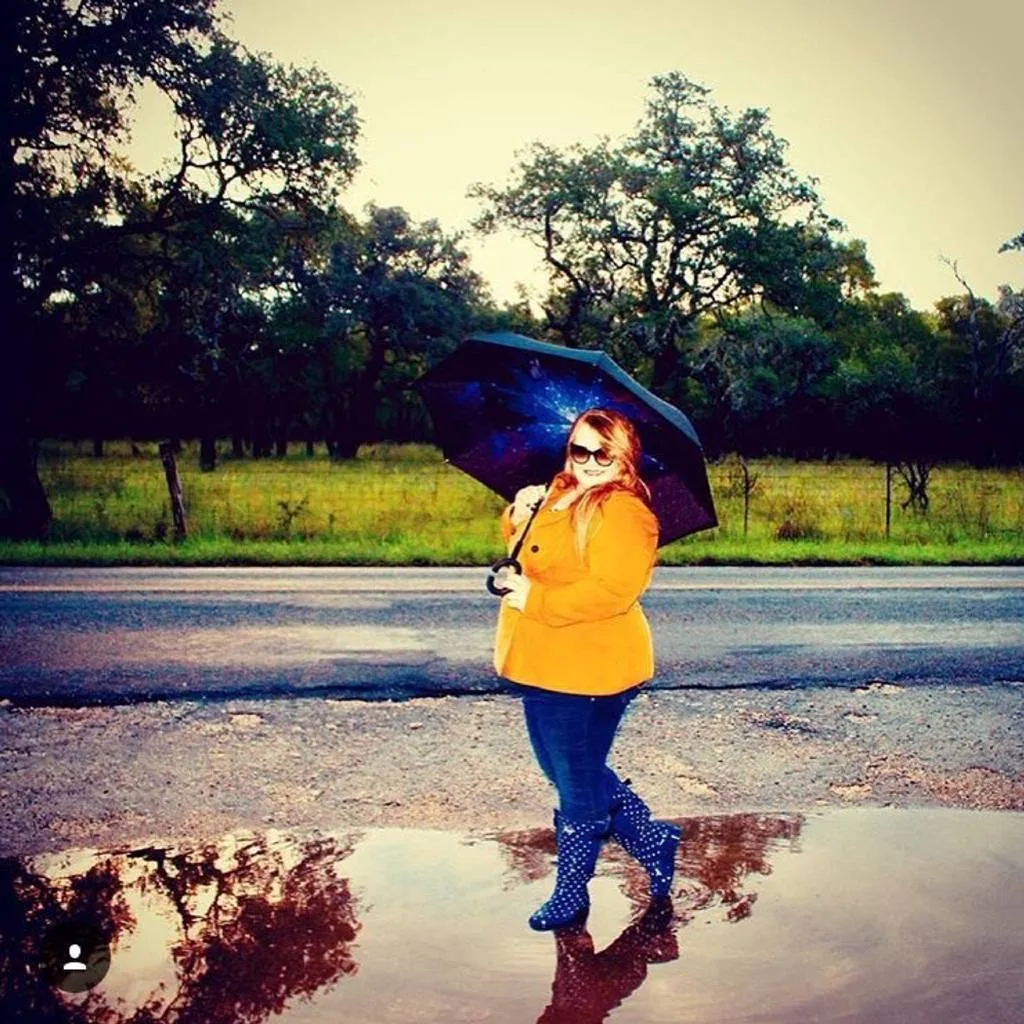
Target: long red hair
[[621, 440]]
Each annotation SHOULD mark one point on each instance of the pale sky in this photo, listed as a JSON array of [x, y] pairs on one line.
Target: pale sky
[[909, 112]]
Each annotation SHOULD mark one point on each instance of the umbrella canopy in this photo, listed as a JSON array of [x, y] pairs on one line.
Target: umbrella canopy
[[502, 405]]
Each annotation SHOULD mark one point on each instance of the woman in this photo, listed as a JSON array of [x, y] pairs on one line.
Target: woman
[[573, 638]]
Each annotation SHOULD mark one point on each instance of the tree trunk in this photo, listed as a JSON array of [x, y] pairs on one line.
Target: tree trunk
[[281, 447], [97, 447], [669, 361], [916, 474], [207, 453], [360, 425], [237, 446], [665, 364], [25, 513], [337, 433], [346, 446]]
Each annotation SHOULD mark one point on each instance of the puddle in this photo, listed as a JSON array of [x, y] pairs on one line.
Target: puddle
[[853, 915]]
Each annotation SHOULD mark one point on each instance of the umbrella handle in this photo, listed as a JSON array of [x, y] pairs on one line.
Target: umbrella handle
[[502, 563], [512, 560]]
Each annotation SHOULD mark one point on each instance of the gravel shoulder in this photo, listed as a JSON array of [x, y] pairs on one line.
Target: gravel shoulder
[[114, 776]]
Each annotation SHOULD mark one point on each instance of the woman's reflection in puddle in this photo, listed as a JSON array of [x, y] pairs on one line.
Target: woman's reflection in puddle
[[717, 857], [588, 985]]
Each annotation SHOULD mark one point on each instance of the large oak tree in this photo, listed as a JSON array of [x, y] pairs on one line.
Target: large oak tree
[[251, 135], [694, 212]]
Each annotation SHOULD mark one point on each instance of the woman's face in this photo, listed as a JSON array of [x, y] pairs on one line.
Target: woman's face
[[584, 442]]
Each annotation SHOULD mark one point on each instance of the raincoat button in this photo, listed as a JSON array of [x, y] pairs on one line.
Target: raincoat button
[[535, 549]]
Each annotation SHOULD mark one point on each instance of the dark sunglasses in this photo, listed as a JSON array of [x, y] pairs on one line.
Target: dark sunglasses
[[580, 455]]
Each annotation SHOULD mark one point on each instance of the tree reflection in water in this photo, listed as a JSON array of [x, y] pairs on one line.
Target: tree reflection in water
[[717, 854], [257, 923], [715, 857], [30, 906]]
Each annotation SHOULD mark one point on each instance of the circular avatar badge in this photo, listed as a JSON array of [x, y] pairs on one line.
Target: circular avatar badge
[[75, 957]]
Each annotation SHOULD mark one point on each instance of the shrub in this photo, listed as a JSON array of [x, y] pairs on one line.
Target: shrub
[[798, 520]]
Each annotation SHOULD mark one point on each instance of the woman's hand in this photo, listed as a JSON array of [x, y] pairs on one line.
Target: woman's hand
[[526, 500], [518, 590]]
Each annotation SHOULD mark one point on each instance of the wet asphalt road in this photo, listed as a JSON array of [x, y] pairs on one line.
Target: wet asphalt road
[[93, 636]]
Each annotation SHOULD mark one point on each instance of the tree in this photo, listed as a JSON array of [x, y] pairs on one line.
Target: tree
[[1011, 306], [393, 296], [889, 387], [768, 376], [1013, 243], [986, 349], [99, 371], [252, 135], [693, 213]]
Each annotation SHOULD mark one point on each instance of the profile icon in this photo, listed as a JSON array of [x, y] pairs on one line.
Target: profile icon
[[74, 964], [76, 957]]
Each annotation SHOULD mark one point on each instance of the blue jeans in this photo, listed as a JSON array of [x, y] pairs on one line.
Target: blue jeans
[[571, 737]]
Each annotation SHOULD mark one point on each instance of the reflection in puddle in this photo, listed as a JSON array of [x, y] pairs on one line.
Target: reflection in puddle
[[223, 932], [856, 915], [717, 855], [589, 984]]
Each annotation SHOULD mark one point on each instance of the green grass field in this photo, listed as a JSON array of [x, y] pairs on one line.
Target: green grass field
[[402, 505]]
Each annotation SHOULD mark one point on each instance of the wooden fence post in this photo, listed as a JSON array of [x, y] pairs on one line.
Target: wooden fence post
[[747, 488], [174, 487], [888, 500]]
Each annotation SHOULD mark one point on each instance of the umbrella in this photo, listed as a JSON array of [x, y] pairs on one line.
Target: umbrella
[[502, 405]]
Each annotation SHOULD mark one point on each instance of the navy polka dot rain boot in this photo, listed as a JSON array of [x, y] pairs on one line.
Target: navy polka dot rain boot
[[579, 843], [653, 843]]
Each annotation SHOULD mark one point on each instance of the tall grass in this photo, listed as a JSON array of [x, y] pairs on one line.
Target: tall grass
[[402, 504]]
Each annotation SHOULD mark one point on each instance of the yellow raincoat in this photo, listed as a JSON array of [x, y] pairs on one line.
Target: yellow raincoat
[[583, 630]]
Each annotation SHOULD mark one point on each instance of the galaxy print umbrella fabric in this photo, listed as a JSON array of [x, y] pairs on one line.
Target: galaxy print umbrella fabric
[[502, 405]]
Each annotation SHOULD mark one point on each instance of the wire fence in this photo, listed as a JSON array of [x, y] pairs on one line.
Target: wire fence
[[858, 501], [394, 489]]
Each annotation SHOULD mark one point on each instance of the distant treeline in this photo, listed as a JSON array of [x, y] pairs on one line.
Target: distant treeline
[[883, 381], [232, 294]]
